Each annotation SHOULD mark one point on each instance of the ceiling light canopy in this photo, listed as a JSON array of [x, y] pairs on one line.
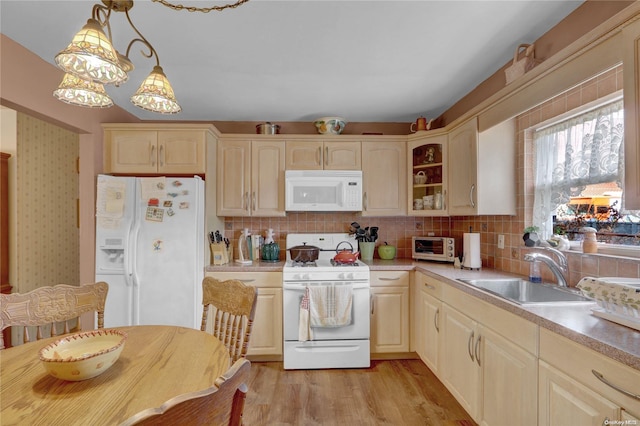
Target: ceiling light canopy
[[90, 61]]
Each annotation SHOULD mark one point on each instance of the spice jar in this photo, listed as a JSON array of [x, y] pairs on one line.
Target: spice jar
[[589, 244]]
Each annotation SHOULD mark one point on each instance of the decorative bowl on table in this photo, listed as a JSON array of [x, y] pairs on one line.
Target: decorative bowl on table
[[330, 125], [84, 355]]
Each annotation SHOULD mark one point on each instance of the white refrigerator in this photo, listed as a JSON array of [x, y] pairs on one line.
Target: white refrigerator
[[150, 249]]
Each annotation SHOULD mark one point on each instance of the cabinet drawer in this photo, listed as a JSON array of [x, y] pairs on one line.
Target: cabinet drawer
[[389, 278], [256, 279], [429, 285], [578, 362]]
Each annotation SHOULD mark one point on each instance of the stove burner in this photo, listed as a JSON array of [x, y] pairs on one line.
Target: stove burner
[[336, 263], [299, 264]]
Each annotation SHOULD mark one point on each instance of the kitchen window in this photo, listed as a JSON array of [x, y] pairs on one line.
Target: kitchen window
[[579, 173]]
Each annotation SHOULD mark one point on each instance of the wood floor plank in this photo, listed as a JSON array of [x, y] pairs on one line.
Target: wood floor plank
[[390, 392]]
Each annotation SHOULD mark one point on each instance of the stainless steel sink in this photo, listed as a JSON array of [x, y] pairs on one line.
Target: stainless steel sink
[[526, 292]]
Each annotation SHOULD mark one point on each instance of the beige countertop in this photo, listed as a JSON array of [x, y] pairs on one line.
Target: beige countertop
[[573, 322]]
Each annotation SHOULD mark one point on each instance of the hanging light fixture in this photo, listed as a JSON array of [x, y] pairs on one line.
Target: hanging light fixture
[[77, 91], [90, 61]]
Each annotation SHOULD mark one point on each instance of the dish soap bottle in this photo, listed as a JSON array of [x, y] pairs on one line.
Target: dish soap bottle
[[534, 272], [243, 248]]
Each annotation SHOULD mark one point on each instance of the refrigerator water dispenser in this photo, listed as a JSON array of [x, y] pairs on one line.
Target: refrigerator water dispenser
[[110, 256]]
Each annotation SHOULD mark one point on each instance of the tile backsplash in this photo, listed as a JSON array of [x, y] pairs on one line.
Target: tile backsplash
[[399, 230]]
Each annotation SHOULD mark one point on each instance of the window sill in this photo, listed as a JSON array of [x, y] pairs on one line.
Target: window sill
[[617, 250]]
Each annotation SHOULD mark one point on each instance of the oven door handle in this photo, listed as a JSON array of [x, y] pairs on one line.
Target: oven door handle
[[371, 303]]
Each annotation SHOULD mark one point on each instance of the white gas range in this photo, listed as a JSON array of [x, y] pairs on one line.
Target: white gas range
[[345, 346]]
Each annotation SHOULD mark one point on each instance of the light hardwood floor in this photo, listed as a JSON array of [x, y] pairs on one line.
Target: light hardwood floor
[[390, 392]]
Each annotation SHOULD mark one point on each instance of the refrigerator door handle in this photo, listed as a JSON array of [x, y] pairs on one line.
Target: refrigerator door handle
[[129, 255], [134, 251]]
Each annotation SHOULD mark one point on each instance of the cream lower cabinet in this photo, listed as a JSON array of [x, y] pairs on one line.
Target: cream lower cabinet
[[564, 401], [570, 392], [427, 309], [250, 178], [384, 173], [389, 311], [488, 360], [156, 149], [266, 336]]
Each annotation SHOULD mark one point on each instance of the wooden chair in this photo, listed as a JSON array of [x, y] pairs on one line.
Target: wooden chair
[[221, 404], [233, 306], [50, 305]]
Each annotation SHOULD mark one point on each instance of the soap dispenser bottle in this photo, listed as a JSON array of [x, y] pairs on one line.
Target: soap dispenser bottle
[[534, 272]]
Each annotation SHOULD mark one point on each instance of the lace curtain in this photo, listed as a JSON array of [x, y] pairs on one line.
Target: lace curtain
[[570, 155]]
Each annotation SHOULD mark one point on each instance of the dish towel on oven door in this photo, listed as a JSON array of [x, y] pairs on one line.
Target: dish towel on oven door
[[304, 326], [330, 305]]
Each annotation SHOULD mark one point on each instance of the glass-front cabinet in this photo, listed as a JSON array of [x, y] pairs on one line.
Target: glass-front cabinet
[[427, 180]]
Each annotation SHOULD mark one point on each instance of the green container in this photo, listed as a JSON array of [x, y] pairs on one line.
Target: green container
[[270, 252]]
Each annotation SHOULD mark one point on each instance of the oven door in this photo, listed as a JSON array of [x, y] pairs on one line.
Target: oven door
[[358, 329]]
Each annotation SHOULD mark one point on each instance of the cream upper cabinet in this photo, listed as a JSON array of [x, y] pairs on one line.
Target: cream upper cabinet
[[427, 159], [319, 155], [482, 169], [389, 311], [383, 177], [133, 149], [580, 384], [250, 178], [631, 76], [266, 336]]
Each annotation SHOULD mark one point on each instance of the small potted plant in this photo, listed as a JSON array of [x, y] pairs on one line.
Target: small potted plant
[[531, 237]]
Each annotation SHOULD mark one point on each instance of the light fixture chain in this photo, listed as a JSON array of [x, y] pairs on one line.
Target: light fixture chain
[[200, 9]]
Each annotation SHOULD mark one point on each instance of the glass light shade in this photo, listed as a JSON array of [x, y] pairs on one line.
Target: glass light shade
[[77, 91], [156, 94], [92, 57]]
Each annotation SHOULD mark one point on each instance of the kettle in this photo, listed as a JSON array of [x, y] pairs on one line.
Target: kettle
[[421, 124]]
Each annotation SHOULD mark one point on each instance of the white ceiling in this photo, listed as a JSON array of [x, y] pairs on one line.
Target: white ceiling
[[367, 61]]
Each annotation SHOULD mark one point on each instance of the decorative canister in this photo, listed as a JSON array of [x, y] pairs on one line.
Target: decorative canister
[[589, 244], [270, 252]]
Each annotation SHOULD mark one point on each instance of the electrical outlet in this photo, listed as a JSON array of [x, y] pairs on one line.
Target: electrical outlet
[[500, 241]]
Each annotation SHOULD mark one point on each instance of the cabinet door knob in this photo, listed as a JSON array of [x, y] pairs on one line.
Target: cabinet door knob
[[436, 317], [473, 189], [470, 346], [152, 155]]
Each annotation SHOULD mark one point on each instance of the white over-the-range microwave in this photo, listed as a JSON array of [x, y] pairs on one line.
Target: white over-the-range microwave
[[323, 190], [439, 249]]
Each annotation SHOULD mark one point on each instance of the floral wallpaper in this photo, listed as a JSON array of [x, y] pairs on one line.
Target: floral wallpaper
[[47, 182]]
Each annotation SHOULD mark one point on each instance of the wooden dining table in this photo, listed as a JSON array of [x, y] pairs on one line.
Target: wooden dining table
[[156, 364]]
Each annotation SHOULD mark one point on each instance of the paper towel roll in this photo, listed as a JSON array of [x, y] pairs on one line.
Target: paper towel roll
[[471, 251]]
